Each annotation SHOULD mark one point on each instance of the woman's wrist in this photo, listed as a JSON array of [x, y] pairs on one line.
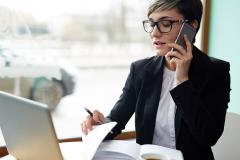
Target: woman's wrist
[[181, 80]]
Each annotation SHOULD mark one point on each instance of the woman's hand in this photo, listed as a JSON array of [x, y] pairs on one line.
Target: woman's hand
[[96, 119], [180, 60]]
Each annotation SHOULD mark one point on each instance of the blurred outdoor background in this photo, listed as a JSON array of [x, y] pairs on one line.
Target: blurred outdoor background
[[90, 43]]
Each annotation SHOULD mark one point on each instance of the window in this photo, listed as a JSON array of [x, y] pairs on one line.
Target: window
[[99, 38]]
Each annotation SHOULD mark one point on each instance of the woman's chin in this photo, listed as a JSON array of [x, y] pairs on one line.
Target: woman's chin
[[160, 52]]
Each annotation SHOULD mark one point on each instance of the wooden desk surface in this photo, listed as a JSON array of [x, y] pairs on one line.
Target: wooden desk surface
[[122, 136]]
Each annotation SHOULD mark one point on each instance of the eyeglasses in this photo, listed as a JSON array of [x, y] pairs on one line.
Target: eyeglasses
[[164, 26]]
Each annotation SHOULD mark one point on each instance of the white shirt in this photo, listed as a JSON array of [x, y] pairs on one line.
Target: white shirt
[[164, 132]]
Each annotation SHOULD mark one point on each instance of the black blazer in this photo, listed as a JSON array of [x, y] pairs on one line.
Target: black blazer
[[201, 103]]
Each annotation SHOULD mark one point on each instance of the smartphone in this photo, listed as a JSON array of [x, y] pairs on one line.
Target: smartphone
[[189, 31]]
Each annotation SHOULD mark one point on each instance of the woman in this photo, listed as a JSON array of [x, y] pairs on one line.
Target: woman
[[179, 96]]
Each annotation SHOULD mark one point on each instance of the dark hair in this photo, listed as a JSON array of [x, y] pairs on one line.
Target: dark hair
[[190, 9]]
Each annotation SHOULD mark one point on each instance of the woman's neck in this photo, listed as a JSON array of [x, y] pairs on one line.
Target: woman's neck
[[170, 66]]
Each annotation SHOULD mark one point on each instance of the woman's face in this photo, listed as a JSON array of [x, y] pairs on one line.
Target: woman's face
[[160, 40]]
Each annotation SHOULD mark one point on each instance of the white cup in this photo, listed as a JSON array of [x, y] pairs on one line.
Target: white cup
[[153, 156]]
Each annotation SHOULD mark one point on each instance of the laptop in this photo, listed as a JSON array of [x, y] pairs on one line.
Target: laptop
[[28, 129]]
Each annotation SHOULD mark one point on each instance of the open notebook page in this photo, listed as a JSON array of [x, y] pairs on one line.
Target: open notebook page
[[117, 150], [92, 141]]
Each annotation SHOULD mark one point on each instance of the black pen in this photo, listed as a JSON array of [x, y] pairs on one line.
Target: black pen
[[89, 112]]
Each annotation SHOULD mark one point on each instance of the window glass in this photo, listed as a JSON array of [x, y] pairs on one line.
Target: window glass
[[81, 50]]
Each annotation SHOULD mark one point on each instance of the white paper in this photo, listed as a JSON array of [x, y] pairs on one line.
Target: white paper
[[72, 150], [93, 139], [118, 149], [130, 150]]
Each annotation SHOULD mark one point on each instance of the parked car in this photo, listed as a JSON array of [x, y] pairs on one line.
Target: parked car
[[36, 78]]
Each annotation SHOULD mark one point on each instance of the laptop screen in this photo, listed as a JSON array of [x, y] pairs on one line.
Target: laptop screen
[[27, 129]]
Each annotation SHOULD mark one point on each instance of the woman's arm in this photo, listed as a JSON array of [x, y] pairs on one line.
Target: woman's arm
[[204, 113], [125, 106]]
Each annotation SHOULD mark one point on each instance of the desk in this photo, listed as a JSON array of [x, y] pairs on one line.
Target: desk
[[123, 136], [8, 157], [69, 147], [72, 145], [70, 150], [114, 149]]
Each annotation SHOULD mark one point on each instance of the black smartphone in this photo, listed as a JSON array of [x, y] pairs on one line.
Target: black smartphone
[[189, 31]]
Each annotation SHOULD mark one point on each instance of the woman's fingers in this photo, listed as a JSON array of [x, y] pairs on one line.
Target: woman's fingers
[[177, 48], [89, 122], [87, 125], [96, 118], [174, 54], [84, 128]]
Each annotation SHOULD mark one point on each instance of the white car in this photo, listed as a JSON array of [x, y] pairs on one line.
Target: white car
[[36, 77]]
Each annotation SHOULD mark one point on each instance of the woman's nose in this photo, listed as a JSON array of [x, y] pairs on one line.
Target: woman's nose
[[155, 31]]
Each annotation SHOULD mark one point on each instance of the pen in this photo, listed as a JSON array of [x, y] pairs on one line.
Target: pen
[[89, 112]]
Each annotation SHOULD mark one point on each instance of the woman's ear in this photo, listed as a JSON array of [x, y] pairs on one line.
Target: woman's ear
[[195, 24]]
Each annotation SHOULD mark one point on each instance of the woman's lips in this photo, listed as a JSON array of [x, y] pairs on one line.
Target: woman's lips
[[159, 45]]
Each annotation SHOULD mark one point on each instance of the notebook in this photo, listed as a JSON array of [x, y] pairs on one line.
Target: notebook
[[130, 150], [27, 129]]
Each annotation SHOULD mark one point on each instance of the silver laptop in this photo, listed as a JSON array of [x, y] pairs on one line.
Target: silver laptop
[[27, 129]]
